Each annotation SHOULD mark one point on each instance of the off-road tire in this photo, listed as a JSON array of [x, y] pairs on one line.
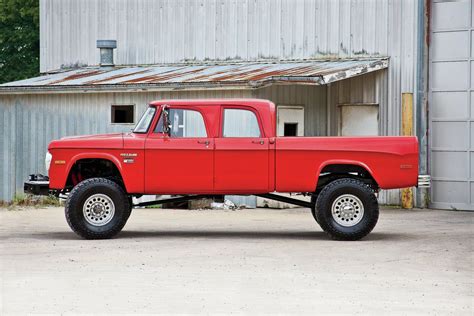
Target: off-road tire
[[75, 203], [336, 189], [313, 207]]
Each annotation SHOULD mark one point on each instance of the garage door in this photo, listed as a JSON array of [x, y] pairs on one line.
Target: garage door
[[451, 105]]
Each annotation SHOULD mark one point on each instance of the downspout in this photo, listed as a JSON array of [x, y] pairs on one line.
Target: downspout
[[422, 128]]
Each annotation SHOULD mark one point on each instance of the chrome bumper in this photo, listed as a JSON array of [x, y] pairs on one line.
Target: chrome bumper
[[424, 181]]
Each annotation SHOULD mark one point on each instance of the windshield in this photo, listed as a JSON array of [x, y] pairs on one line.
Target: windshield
[[144, 123]]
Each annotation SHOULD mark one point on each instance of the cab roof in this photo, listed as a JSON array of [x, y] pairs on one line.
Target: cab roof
[[256, 103]]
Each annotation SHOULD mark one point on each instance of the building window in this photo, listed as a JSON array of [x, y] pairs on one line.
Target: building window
[[290, 129], [290, 120], [359, 119], [122, 114]]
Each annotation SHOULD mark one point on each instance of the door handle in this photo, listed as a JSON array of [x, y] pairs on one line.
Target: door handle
[[205, 142], [261, 142]]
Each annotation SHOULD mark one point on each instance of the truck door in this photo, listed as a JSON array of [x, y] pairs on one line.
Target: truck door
[[241, 153], [183, 161]]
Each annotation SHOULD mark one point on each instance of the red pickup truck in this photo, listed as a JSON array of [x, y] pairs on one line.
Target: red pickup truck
[[215, 147]]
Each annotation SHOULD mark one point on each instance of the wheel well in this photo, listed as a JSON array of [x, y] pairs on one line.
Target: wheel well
[[332, 172], [93, 168]]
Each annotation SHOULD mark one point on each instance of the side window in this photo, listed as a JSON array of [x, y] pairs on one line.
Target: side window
[[240, 123], [184, 123]]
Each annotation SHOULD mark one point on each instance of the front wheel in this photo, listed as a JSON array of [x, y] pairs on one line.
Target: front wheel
[[97, 208], [347, 209]]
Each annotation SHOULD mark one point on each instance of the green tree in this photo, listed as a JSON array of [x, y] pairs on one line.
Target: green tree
[[19, 39]]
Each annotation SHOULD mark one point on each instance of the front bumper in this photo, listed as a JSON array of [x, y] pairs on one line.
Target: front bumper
[[37, 184]]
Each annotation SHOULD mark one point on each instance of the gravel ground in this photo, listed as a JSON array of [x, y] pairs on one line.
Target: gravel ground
[[245, 261]]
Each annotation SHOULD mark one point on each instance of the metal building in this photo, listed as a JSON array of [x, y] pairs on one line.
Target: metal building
[[285, 51]]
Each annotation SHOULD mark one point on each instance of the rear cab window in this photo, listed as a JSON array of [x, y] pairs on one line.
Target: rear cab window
[[240, 123]]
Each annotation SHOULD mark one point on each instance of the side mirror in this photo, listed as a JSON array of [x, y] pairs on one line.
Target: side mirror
[[166, 121]]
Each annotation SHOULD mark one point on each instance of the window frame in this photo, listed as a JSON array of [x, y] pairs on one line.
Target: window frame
[[244, 108], [173, 107], [134, 114]]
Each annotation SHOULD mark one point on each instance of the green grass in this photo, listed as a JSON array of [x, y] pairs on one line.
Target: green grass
[[154, 206], [22, 200]]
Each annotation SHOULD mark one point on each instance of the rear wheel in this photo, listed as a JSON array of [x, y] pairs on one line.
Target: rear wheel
[[313, 207], [347, 209], [97, 208]]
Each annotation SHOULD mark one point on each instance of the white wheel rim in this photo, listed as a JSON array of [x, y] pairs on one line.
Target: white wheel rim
[[347, 210], [98, 210]]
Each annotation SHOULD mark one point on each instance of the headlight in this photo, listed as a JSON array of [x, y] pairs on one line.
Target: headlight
[[47, 160]]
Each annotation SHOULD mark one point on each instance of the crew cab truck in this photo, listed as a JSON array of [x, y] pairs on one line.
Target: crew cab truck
[[225, 146]]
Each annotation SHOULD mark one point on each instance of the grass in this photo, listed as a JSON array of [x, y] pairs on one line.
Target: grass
[[21, 200]]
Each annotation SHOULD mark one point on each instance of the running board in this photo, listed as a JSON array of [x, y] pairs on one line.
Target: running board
[[285, 199], [172, 200], [185, 198]]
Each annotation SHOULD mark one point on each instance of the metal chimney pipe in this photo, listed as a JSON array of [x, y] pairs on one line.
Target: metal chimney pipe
[[106, 52]]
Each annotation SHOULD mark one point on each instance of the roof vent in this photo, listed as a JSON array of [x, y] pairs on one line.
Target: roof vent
[[106, 52]]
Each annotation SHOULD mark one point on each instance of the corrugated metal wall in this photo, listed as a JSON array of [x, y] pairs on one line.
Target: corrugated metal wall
[[164, 31], [313, 99], [369, 88], [200, 30], [30, 122], [174, 31]]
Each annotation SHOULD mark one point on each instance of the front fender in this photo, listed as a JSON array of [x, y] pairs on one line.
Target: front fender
[[61, 165]]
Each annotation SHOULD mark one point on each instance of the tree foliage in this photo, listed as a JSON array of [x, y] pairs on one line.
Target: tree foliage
[[19, 39]]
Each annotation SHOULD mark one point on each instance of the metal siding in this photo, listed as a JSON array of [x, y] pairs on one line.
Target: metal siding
[[451, 71], [370, 88], [152, 32], [30, 122], [279, 29], [313, 98]]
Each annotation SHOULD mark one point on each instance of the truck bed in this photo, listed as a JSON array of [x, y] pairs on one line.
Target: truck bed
[[391, 161]]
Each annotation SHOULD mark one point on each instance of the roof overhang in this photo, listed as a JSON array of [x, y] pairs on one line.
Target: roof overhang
[[196, 76]]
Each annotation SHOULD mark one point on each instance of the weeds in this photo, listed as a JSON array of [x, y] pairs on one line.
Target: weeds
[[22, 200]]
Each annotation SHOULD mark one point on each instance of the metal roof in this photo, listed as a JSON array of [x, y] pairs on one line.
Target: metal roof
[[237, 75]]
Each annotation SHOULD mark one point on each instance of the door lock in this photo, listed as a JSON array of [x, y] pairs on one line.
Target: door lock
[[261, 142], [205, 142]]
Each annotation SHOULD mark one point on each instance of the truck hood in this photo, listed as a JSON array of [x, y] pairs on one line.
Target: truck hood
[[102, 141]]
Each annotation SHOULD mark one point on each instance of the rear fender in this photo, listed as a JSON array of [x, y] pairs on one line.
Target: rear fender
[[344, 162]]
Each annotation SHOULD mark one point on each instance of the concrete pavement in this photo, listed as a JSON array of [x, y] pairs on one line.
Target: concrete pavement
[[244, 261]]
